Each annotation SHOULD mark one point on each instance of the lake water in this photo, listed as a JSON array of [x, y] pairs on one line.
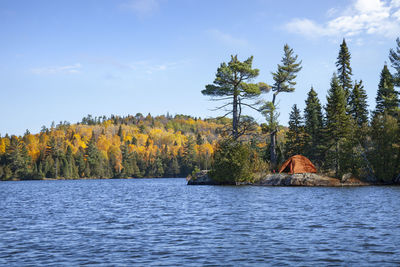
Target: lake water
[[165, 222]]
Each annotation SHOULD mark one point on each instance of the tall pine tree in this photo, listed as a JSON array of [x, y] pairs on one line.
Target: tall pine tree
[[284, 82], [387, 99], [394, 57], [313, 126], [359, 111], [295, 136], [358, 104], [344, 70], [337, 121]]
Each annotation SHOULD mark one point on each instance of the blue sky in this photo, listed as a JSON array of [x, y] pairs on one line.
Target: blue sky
[[62, 60]]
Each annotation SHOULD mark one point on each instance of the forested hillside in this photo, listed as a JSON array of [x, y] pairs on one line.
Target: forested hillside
[[114, 147], [131, 146]]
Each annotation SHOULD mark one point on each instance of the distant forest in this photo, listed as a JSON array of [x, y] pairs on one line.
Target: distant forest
[[339, 138], [112, 147]]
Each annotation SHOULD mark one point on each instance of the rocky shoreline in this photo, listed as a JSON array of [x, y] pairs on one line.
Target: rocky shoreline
[[283, 179]]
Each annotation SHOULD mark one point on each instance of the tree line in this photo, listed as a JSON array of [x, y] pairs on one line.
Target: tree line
[[340, 137], [112, 147]]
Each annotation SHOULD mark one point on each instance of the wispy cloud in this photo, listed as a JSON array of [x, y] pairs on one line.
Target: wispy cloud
[[68, 69], [377, 17], [226, 38], [144, 66], [141, 8], [162, 67]]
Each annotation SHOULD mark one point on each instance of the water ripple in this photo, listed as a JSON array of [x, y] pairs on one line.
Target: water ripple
[[163, 222]]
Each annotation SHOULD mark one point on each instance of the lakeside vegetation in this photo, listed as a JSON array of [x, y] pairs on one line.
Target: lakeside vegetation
[[339, 138]]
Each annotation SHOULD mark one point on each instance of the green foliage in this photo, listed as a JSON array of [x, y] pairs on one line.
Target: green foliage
[[232, 86], [344, 70], [232, 162], [17, 159], [189, 156], [268, 110], [96, 163], [394, 57], [338, 123], [284, 81], [385, 153], [387, 99], [313, 127], [359, 111], [295, 140], [287, 72]]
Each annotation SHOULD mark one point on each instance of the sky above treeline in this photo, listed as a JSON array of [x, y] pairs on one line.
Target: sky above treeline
[[62, 60]]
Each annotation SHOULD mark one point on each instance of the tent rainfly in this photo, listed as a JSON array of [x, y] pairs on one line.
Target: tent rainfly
[[298, 164]]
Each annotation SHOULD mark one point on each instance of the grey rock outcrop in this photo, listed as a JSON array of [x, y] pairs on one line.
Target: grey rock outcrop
[[397, 179], [201, 178], [306, 179], [283, 179]]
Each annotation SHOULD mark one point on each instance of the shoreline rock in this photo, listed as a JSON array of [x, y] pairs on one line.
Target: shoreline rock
[[307, 179], [283, 179], [201, 178]]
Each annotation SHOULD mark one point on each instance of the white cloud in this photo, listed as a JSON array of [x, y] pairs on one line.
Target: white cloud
[[147, 66], [141, 8], [227, 38], [362, 17], [150, 69], [68, 69]]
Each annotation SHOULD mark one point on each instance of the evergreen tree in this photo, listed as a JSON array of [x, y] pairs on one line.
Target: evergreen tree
[[199, 139], [358, 104], [344, 70], [359, 113], [385, 153], [17, 158], [120, 133], [70, 168], [189, 156], [295, 135], [387, 99], [231, 83], [337, 121], [394, 57], [284, 81], [173, 169], [81, 163], [95, 159], [313, 126]]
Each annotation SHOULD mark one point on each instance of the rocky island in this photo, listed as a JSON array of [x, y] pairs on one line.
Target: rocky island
[[284, 179]]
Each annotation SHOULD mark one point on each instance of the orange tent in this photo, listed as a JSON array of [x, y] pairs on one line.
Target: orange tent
[[298, 164]]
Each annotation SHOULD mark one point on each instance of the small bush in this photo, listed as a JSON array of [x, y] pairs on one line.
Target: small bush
[[232, 162]]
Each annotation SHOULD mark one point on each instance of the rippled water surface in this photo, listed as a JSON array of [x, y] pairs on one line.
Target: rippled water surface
[[165, 222]]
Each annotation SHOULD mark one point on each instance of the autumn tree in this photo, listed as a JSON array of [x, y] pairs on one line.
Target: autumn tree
[[233, 86]]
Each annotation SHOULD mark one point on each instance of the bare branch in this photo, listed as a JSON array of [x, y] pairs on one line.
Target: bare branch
[[220, 117], [221, 107], [247, 105], [221, 99]]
